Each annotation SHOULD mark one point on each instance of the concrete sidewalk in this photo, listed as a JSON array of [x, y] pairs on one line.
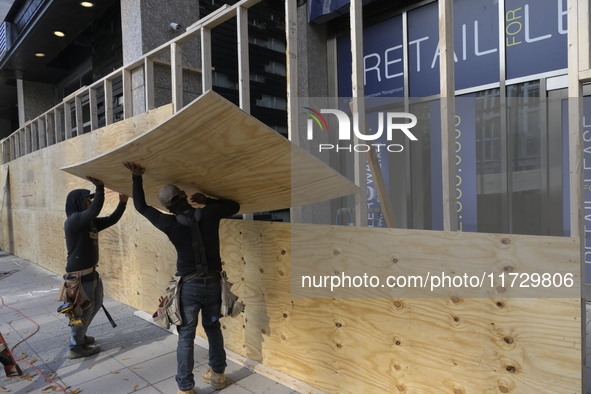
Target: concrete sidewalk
[[137, 356]]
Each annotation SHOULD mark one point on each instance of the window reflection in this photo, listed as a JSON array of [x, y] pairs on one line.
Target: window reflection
[[488, 161], [524, 131]]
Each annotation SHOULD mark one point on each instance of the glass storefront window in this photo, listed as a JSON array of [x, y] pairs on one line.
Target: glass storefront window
[[489, 187], [421, 168], [524, 131], [510, 164]]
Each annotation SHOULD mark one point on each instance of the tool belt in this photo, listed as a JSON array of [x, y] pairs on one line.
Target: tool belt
[[169, 308], [72, 291], [230, 305], [202, 279]]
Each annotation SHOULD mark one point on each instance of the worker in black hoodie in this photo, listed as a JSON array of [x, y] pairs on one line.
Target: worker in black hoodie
[[81, 229], [201, 289]]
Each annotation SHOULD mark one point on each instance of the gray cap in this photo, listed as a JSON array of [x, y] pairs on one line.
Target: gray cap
[[169, 195]]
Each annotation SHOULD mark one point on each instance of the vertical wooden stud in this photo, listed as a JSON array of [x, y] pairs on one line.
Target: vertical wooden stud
[[206, 59], [41, 133], [176, 72], [108, 88], [57, 120], [93, 106], [149, 83], [68, 119], [127, 109], [243, 58], [358, 89], [291, 27], [447, 87], [78, 115]]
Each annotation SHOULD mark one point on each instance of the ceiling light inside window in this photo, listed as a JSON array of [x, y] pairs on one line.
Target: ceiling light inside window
[[39, 54], [87, 4], [59, 33]]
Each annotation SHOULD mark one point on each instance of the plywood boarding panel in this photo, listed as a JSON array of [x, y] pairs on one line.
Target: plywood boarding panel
[[35, 190], [214, 147], [137, 261], [478, 264], [385, 345], [338, 345]]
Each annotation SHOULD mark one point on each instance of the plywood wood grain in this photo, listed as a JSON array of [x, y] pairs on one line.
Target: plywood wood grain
[[213, 147], [385, 345], [434, 263], [339, 345], [34, 191]]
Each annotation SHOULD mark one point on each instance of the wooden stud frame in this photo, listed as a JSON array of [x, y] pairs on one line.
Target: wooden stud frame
[[257, 269], [176, 72], [63, 111], [68, 119], [92, 102], [243, 60], [78, 116], [41, 133], [149, 83], [448, 163], [108, 88], [358, 90], [26, 139], [206, 80], [57, 119], [293, 126], [127, 105], [578, 72]]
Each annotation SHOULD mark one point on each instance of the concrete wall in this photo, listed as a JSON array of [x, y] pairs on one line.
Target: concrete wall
[[38, 98], [146, 26]]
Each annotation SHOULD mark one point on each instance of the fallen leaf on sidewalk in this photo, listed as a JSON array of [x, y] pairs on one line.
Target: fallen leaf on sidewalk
[[27, 377], [135, 387], [114, 372]]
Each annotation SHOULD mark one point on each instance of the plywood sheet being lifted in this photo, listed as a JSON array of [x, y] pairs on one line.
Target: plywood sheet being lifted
[[213, 147]]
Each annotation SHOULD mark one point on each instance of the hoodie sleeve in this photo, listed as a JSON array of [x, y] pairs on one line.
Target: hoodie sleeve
[[108, 221], [157, 218], [222, 208], [82, 219]]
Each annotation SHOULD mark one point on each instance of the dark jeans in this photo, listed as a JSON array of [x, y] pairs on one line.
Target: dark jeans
[[206, 298], [94, 291]]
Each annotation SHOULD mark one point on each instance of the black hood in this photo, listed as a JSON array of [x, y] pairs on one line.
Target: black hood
[[76, 201]]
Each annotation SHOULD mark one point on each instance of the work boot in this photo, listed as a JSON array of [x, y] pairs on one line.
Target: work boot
[[192, 391], [83, 351], [88, 340], [216, 380]]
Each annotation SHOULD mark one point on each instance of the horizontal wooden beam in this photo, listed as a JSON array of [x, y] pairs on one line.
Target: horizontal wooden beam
[[167, 63], [585, 76]]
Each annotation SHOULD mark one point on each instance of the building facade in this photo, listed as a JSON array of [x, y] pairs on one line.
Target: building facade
[[471, 127]]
